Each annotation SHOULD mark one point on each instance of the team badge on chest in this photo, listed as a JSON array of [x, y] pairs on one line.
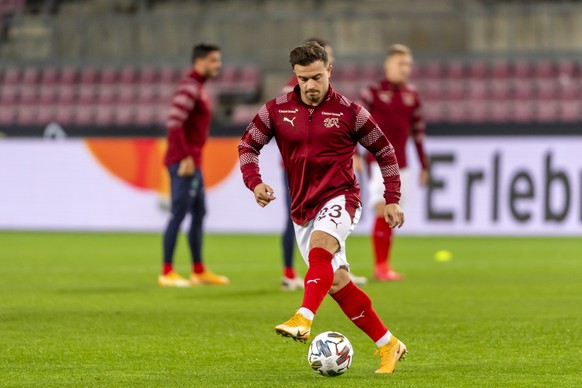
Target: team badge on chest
[[385, 97], [331, 122], [407, 99]]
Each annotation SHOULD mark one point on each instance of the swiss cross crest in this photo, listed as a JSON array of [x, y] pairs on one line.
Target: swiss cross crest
[[385, 97], [331, 122], [408, 99]]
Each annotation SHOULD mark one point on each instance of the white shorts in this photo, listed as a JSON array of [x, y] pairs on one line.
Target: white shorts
[[334, 220], [376, 185]]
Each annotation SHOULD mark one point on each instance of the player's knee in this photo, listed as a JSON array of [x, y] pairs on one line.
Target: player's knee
[[323, 240], [341, 278]]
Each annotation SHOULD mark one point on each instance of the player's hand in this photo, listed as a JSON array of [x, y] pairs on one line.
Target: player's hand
[[264, 194], [424, 177], [186, 167], [394, 215]]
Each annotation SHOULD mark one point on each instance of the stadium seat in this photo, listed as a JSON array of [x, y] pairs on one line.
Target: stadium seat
[[126, 93], [477, 89], [68, 76], [477, 111], [125, 114], [544, 68], [9, 94], [146, 114], [455, 89], [434, 112], [30, 76], [546, 88], [47, 93], [570, 111], [477, 69], [147, 93], [521, 69], [29, 93], [499, 111], [66, 94], [46, 113], [500, 89], [148, 75], [566, 68], [106, 93], [457, 112], [64, 114], [170, 75], [11, 76], [455, 69], [500, 69], [243, 113], [523, 112], [104, 114], [128, 75], [431, 90], [569, 89], [7, 114], [433, 70], [547, 111], [84, 114], [26, 114], [523, 89], [49, 76], [109, 76]]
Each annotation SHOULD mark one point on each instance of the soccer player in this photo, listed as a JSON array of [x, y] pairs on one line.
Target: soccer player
[[291, 281], [316, 130], [396, 107], [188, 127]]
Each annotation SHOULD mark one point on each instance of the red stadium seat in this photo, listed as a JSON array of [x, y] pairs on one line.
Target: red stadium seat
[[109, 75], [165, 93], [89, 76], [477, 111], [433, 70], [500, 69], [106, 93], [26, 114], [170, 75], [126, 93], [104, 114], [68, 76], [477, 90], [547, 88], [162, 112], [523, 112], [566, 67], [47, 93], [49, 76], [148, 75], [29, 93], [30, 76], [46, 114], [455, 89], [570, 111], [522, 68], [86, 93], [9, 94], [7, 114], [11, 76], [125, 114], [145, 114], [348, 72], [128, 75], [431, 90], [500, 111], [477, 69], [434, 112], [457, 112], [84, 114], [569, 90], [66, 94], [523, 89], [372, 72], [544, 68], [500, 89], [547, 111], [455, 69], [65, 114], [243, 114], [147, 93]]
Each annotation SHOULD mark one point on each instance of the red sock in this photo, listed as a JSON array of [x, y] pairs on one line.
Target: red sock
[[382, 239], [198, 268], [358, 307], [289, 273], [167, 268], [318, 279]]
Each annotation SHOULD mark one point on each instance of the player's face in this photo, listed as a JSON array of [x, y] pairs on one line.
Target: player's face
[[398, 68], [313, 81], [212, 64]]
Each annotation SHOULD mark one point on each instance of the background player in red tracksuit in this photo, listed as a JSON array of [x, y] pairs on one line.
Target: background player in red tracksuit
[[396, 107], [317, 130], [188, 127], [290, 279]]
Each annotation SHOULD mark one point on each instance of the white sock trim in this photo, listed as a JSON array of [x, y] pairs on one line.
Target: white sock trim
[[385, 339], [306, 313]]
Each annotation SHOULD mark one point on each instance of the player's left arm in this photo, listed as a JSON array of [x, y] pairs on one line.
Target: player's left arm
[[371, 137], [418, 127]]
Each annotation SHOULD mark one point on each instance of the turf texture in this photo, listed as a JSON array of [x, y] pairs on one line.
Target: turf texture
[[85, 310]]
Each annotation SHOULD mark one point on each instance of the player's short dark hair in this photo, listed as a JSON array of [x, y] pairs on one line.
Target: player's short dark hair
[[398, 49], [201, 50], [319, 41], [308, 53]]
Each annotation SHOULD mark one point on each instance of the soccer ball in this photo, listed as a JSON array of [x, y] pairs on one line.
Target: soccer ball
[[330, 353]]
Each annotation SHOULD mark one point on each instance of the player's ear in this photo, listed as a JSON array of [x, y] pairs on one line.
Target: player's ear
[[329, 69]]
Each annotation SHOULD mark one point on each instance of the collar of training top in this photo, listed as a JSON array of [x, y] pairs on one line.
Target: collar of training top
[[197, 76], [297, 95]]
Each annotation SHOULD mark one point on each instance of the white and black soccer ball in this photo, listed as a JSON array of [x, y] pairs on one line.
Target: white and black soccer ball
[[330, 354]]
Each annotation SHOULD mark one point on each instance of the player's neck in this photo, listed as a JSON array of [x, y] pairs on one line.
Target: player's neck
[[309, 102]]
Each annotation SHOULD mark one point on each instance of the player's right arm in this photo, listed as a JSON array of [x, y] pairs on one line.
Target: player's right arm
[[182, 105], [258, 133]]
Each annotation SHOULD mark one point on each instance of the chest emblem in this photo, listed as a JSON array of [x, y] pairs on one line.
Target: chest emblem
[[385, 97], [331, 122], [290, 121], [408, 99]]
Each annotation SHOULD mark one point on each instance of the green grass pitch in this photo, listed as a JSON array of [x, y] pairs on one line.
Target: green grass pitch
[[85, 310]]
